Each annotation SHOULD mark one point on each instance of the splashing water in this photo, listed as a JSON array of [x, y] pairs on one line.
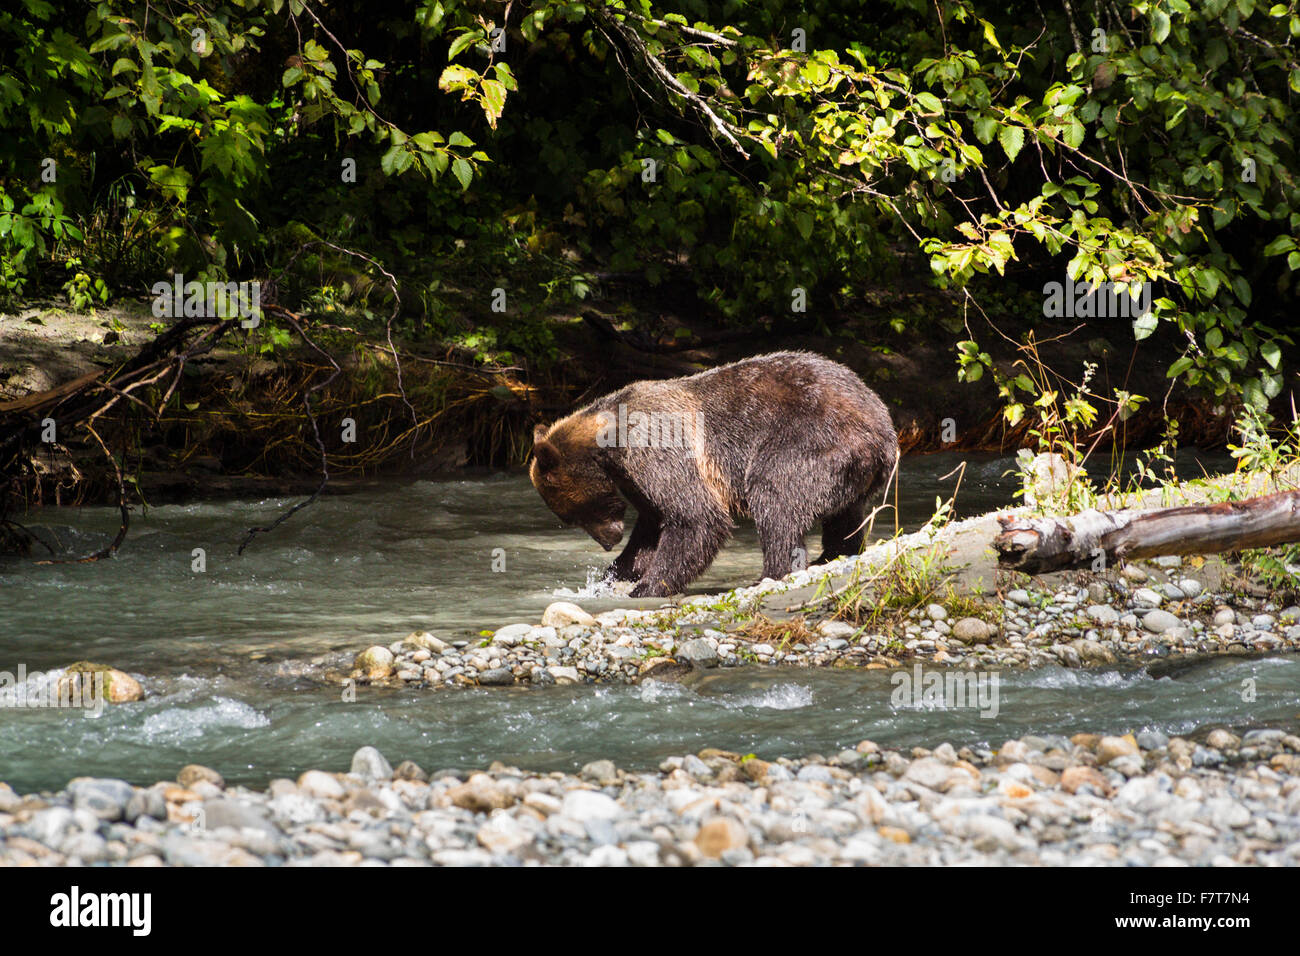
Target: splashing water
[[597, 586]]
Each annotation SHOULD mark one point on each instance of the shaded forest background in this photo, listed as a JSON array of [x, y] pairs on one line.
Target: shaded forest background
[[469, 216]]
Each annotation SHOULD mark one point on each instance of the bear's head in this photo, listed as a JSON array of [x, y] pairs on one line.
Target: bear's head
[[566, 474]]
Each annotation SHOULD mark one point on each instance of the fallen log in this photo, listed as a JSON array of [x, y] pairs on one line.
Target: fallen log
[[39, 400], [1101, 539]]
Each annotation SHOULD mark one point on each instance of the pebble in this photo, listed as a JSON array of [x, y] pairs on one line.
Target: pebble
[[698, 651], [326, 786], [511, 634], [1222, 740], [1103, 614], [971, 630], [1158, 621], [194, 773], [836, 629], [424, 641], [563, 613], [1110, 748], [496, 677], [1147, 597], [234, 813], [1152, 740], [105, 798], [374, 663], [370, 764], [1151, 800], [602, 772], [719, 835], [589, 805]]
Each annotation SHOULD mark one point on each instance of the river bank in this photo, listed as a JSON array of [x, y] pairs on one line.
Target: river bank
[[234, 424], [644, 758], [969, 614], [1148, 800], [1142, 615]]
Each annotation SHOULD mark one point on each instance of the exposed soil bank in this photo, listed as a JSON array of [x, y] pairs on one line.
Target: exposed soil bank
[[237, 423]]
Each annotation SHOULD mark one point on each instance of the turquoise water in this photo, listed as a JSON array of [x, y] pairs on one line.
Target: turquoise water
[[231, 654]]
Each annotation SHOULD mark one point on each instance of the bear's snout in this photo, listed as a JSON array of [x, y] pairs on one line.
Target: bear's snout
[[607, 533]]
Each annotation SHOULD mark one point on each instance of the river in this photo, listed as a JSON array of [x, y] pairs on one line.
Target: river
[[232, 654]]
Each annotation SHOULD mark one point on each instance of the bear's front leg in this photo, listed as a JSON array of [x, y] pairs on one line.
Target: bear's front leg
[[684, 552], [637, 556]]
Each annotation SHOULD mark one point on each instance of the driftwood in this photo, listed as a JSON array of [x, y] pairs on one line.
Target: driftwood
[[1100, 539], [39, 400]]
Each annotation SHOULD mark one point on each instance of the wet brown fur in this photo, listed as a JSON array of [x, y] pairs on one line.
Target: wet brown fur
[[790, 438]]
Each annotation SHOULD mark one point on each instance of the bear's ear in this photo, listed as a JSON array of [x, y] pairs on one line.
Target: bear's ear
[[546, 455], [539, 433]]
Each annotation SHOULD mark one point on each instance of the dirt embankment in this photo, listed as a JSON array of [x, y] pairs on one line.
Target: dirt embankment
[[237, 422]]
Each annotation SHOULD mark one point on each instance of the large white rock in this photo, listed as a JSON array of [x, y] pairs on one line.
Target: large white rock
[[564, 613]]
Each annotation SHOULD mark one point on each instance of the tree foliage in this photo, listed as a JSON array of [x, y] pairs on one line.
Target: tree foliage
[[748, 149]]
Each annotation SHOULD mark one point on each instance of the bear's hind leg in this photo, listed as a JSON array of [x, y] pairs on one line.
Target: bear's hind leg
[[781, 521], [782, 543], [842, 533]]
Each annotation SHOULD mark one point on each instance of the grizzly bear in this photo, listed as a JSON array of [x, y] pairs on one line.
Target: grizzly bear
[[788, 439]]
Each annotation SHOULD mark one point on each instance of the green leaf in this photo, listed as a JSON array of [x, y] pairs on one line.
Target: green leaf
[[1159, 25], [462, 171], [1073, 135], [929, 102], [1272, 385], [389, 161], [1144, 325], [1279, 245], [494, 100], [803, 221], [461, 42], [1271, 354], [110, 42], [817, 73], [1012, 139], [985, 127]]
